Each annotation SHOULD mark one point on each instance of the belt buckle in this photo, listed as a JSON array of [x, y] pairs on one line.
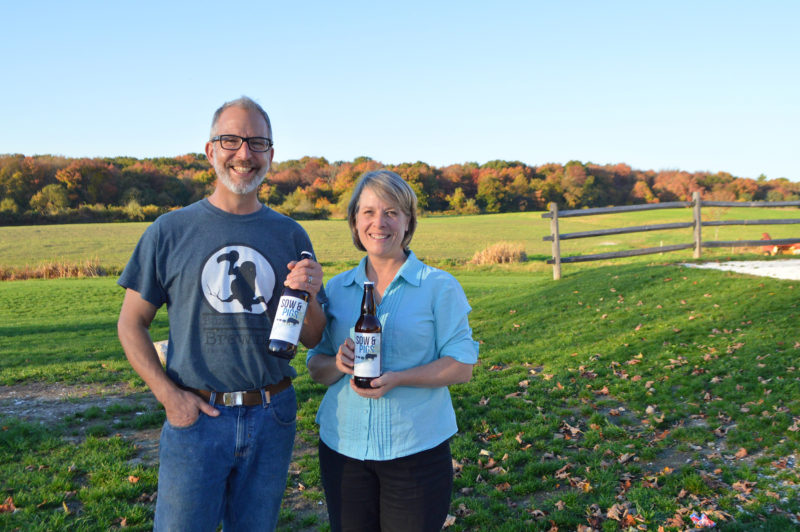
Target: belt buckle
[[233, 398]]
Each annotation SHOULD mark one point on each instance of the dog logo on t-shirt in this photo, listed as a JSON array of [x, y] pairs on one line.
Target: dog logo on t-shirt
[[238, 279]]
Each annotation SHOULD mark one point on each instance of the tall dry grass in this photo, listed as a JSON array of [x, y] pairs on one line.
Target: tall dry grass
[[54, 270], [500, 253]]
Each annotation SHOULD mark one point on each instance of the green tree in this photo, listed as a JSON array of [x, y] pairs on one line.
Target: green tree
[[457, 199], [51, 199], [459, 203], [491, 193], [9, 205]]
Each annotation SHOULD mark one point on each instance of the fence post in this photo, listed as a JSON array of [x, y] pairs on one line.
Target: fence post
[[556, 244], [698, 244]]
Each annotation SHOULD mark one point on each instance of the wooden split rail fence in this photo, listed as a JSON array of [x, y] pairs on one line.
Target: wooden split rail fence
[[697, 223]]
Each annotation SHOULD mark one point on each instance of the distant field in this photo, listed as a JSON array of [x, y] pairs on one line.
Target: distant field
[[454, 238]]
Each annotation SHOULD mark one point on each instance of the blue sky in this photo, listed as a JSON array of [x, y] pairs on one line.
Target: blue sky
[[691, 85]]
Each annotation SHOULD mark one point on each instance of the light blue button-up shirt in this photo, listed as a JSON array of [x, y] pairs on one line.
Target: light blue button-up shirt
[[423, 314]]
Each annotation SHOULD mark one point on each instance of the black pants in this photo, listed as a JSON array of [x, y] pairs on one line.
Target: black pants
[[408, 494]]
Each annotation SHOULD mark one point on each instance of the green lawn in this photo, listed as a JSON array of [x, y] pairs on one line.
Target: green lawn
[[630, 393], [633, 385]]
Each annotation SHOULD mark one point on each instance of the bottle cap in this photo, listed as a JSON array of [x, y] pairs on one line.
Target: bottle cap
[[306, 255], [371, 283]]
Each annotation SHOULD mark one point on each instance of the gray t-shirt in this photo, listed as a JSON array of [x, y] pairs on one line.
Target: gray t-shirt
[[221, 276]]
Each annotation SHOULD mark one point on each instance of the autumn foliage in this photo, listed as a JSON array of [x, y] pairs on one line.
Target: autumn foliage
[[52, 189]]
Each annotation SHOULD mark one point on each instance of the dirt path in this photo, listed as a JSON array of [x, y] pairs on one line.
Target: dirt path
[[52, 404]]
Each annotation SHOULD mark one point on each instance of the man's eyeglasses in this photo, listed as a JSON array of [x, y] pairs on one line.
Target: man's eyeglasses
[[234, 142]]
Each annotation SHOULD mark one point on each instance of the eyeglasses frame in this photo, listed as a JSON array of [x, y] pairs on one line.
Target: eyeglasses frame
[[218, 138]]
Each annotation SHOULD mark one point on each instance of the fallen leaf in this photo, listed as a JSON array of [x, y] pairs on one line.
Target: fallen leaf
[[450, 520], [132, 479], [625, 457], [616, 512], [537, 514], [743, 486], [8, 506], [741, 453]]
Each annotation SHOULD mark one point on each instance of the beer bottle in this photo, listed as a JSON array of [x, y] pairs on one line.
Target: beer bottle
[[288, 320], [367, 365]]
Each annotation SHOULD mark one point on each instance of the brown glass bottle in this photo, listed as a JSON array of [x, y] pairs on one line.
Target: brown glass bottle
[[288, 320], [367, 365]]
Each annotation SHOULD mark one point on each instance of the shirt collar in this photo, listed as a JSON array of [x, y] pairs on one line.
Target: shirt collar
[[410, 271]]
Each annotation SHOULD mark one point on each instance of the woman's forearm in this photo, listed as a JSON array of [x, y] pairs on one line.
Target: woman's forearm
[[323, 370]]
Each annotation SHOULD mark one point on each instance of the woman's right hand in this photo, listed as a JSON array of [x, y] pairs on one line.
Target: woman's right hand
[[345, 356]]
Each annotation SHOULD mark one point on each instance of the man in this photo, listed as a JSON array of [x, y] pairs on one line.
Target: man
[[220, 265]]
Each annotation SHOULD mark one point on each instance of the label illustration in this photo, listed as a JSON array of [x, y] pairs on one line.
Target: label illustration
[[367, 355], [288, 319]]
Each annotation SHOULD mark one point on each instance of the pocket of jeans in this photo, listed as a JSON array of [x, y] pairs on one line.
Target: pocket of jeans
[[191, 425], [284, 408]]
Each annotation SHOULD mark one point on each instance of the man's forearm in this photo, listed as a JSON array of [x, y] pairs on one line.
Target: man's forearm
[[313, 325], [142, 355]]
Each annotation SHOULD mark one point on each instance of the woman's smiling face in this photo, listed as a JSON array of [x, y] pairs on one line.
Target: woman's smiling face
[[381, 226]]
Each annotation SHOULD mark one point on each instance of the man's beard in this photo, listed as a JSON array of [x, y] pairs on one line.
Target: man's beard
[[241, 189]]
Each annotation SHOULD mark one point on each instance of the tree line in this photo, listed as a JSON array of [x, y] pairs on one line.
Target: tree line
[[55, 189]]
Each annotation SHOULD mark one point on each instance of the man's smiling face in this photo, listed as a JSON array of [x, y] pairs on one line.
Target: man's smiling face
[[240, 171]]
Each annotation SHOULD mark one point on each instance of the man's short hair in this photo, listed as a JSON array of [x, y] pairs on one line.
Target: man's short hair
[[243, 102]]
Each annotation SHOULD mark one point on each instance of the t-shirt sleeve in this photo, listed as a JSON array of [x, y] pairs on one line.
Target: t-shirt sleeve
[[141, 273], [453, 334]]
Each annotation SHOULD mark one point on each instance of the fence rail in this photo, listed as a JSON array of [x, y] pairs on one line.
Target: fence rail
[[697, 223]]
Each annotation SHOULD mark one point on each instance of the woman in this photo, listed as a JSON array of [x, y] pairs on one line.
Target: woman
[[384, 451]]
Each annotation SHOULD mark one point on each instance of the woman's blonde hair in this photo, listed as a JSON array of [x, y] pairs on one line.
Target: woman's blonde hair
[[392, 189]]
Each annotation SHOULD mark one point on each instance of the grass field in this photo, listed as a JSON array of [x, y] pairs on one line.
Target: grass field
[[440, 238], [627, 395]]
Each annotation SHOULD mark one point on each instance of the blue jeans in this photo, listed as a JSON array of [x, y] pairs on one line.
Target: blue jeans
[[231, 468]]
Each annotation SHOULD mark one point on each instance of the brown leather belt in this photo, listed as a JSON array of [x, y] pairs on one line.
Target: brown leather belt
[[248, 398]]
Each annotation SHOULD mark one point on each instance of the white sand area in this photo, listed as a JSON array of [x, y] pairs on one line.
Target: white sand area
[[778, 269]]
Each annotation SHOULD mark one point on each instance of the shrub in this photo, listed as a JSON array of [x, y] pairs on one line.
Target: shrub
[[134, 210], [9, 205], [52, 199], [151, 212], [500, 253]]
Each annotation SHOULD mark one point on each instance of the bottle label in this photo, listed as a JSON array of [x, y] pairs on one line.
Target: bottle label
[[288, 319], [368, 355]]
